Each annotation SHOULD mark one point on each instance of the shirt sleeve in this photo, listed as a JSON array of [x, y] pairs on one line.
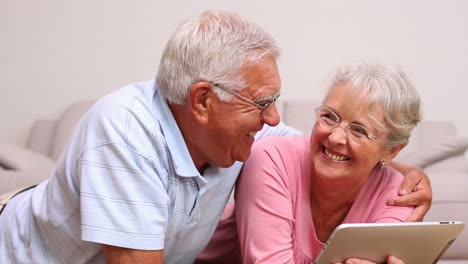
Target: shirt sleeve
[[122, 181], [264, 212], [121, 204]]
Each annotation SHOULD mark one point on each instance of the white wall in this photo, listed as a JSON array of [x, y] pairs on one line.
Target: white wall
[[54, 52]]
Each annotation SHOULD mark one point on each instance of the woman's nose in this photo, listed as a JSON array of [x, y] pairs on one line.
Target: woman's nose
[[338, 135]]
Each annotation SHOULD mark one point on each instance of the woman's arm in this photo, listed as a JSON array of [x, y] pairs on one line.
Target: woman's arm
[[264, 212]]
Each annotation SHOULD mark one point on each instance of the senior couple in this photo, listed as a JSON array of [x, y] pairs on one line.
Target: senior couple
[[149, 168]]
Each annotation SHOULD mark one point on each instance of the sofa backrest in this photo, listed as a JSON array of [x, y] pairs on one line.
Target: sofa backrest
[[299, 114], [49, 137]]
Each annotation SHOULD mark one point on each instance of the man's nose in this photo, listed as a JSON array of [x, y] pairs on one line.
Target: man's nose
[[271, 115]]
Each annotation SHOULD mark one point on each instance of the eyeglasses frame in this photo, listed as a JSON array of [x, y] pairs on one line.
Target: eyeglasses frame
[[262, 107], [341, 122]]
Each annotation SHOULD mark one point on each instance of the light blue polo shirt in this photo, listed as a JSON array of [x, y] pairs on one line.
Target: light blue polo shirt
[[126, 179]]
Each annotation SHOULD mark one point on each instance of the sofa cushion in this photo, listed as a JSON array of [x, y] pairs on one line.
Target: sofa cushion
[[40, 136], [452, 211], [450, 203], [457, 163], [65, 125], [431, 151]]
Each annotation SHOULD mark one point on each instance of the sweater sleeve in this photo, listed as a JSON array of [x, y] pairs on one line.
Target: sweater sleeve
[[264, 207]]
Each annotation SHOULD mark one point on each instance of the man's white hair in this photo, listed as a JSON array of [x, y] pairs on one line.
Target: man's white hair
[[212, 47]]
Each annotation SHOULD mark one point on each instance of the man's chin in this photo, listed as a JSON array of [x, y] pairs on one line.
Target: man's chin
[[230, 162], [244, 156]]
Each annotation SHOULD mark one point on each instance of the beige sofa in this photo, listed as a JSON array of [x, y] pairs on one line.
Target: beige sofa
[[435, 147]]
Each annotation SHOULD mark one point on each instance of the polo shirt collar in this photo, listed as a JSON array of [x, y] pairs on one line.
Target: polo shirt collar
[[181, 159]]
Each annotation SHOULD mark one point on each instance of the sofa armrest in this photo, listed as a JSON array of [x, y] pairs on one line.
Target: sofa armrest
[[12, 180], [20, 167], [14, 157]]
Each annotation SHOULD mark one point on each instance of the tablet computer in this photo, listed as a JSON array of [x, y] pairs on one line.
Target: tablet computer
[[419, 242]]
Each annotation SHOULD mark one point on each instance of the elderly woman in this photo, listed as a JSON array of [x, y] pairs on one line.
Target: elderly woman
[[294, 191]]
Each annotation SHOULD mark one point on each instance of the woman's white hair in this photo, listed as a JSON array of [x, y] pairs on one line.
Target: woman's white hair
[[388, 87], [212, 47]]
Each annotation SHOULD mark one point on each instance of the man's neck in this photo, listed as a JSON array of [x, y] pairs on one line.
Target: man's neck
[[187, 127]]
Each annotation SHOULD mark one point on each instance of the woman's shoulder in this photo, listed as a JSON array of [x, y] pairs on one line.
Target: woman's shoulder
[[288, 156], [390, 175], [384, 179]]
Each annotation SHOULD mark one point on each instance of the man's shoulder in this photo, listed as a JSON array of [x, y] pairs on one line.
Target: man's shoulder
[[127, 97], [126, 116], [133, 101]]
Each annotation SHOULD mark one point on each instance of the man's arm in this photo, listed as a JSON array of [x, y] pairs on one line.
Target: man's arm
[[390, 260], [119, 255], [414, 191]]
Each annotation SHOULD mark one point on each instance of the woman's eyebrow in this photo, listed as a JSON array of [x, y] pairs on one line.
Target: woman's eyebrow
[[357, 122]]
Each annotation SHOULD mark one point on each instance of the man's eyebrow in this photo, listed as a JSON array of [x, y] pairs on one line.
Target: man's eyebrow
[[267, 98]]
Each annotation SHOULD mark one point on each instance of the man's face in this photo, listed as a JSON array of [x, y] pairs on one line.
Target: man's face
[[233, 125]]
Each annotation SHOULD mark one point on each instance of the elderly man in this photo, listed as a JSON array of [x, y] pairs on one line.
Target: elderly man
[[150, 167]]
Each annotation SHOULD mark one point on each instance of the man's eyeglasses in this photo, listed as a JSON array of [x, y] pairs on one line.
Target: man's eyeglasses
[[261, 106], [355, 132]]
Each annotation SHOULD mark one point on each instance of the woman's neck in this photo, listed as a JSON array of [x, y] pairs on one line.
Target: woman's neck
[[330, 202]]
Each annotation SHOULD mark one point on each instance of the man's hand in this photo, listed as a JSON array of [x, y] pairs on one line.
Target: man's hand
[[414, 191], [119, 255], [390, 260]]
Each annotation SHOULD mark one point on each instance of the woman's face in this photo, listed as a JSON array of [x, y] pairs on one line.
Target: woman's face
[[334, 155]]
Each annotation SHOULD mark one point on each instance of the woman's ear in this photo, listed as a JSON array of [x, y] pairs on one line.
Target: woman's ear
[[199, 100], [393, 151]]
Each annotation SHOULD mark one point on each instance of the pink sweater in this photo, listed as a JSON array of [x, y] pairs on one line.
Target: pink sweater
[[272, 210]]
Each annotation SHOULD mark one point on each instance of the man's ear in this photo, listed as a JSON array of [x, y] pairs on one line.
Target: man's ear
[[200, 99], [393, 151]]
